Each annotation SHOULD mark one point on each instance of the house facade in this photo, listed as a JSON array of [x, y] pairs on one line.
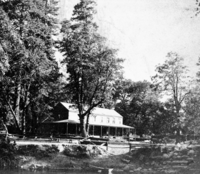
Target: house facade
[[102, 122]]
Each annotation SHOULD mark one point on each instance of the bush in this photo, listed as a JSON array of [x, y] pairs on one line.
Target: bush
[[76, 151], [37, 151], [80, 151], [7, 154]]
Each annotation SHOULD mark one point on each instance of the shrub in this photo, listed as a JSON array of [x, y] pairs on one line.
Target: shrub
[[76, 151], [7, 154], [37, 151]]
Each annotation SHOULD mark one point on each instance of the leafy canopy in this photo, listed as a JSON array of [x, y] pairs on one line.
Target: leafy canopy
[[92, 66]]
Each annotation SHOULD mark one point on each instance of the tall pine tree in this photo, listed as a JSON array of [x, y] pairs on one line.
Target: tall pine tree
[[91, 65]]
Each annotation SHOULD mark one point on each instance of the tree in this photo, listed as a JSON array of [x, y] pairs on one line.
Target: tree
[[91, 65], [30, 56], [197, 7], [192, 105], [5, 36], [171, 80], [140, 108]]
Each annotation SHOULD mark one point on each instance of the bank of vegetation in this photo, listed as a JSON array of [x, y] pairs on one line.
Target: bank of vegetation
[[181, 158]]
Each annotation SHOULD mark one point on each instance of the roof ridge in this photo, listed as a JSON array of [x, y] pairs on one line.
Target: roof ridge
[[94, 107], [112, 112]]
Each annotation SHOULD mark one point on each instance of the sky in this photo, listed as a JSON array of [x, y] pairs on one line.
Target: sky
[[144, 31]]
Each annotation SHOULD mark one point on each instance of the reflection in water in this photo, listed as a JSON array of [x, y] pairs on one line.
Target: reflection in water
[[39, 172]]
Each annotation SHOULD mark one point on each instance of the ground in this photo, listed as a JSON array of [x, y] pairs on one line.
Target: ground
[[166, 158]]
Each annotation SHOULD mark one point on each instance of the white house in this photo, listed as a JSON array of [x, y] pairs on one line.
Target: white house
[[103, 122]]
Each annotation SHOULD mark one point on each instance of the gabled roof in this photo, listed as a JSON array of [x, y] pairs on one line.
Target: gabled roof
[[95, 111]]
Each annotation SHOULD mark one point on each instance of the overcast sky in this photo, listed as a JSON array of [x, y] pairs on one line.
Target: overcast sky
[[144, 31]]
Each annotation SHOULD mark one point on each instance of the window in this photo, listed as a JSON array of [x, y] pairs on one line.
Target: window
[[102, 119], [119, 120], [114, 120], [95, 118], [108, 120]]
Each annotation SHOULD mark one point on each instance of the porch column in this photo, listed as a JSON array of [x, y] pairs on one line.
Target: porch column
[[101, 131], [58, 128], [67, 128]]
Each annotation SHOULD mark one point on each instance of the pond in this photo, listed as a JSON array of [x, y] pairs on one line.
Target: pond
[[98, 172], [41, 172]]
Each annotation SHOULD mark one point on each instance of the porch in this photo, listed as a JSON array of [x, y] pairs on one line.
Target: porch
[[72, 128]]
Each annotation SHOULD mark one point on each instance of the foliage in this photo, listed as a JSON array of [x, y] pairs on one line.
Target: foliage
[[140, 107], [192, 105], [92, 66], [26, 39], [37, 151], [5, 36], [171, 80], [82, 151], [192, 111], [197, 11], [7, 155], [76, 151]]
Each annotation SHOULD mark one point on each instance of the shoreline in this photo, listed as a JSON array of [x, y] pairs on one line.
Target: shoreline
[[63, 156]]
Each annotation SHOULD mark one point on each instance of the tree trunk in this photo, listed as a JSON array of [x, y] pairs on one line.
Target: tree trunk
[[25, 113], [82, 127], [15, 118], [23, 123], [87, 124], [87, 128], [17, 104]]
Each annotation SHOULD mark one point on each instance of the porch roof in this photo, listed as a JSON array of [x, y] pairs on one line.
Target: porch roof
[[94, 124]]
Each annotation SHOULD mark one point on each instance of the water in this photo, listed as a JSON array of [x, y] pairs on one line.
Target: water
[[41, 172], [92, 172]]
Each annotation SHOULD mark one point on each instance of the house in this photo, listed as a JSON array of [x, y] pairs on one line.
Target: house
[[102, 122]]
